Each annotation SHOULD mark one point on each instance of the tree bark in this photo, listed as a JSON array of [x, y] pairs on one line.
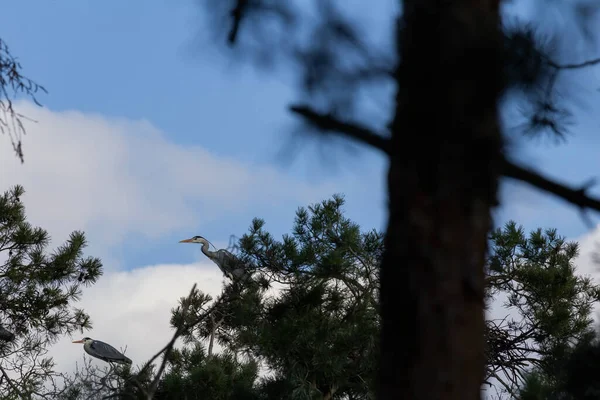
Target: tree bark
[[446, 148]]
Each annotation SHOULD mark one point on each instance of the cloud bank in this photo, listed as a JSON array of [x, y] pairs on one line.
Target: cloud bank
[[116, 178]]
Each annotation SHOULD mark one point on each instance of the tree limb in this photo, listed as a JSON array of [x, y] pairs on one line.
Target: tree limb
[[575, 196], [327, 122]]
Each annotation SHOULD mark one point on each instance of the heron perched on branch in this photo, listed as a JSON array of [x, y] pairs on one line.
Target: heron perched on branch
[[228, 263], [103, 351]]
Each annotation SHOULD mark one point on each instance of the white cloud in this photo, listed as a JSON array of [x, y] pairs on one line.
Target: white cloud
[[586, 262], [112, 177]]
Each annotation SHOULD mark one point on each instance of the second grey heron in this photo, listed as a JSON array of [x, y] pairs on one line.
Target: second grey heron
[[103, 351], [225, 260]]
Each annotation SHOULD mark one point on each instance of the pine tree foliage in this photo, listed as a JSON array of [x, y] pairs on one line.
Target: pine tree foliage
[[548, 305], [310, 316], [221, 376], [38, 289]]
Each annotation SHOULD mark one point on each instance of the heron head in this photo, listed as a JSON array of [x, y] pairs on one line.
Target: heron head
[[195, 239], [84, 340]]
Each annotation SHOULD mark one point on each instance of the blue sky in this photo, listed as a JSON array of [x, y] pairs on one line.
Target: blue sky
[[149, 60], [120, 72], [141, 61]]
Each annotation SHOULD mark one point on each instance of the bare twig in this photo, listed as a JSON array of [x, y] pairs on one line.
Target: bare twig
[[11, 84]]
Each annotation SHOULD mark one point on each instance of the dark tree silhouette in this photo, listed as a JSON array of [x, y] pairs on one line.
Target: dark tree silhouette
[[451, 64]]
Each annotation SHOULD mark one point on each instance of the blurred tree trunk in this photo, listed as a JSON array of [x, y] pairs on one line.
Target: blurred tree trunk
[[446, 151]]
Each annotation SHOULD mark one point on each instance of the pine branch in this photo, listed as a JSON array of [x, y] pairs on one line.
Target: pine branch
[[575, 196]]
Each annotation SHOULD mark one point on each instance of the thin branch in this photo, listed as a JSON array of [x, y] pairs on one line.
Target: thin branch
[[354, 131], [236, 14], [576, 196], [169, 347], [178, 333], [584, 64]]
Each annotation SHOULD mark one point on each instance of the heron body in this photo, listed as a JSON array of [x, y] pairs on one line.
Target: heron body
[[103, 351], [227, 262]]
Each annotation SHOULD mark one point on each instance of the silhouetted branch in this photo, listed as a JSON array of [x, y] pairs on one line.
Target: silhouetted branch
[[576, 196], [584, 64], [327, 122], [236, 14]]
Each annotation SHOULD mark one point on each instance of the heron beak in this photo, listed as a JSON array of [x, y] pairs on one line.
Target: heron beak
[[186, 241], [77, 341]]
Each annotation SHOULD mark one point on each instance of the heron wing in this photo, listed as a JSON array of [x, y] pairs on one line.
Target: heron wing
[[229, 264], [225, 260], [106, 351]]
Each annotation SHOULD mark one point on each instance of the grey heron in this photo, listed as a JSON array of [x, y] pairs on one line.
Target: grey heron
[[103, 351], [227, 262]]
